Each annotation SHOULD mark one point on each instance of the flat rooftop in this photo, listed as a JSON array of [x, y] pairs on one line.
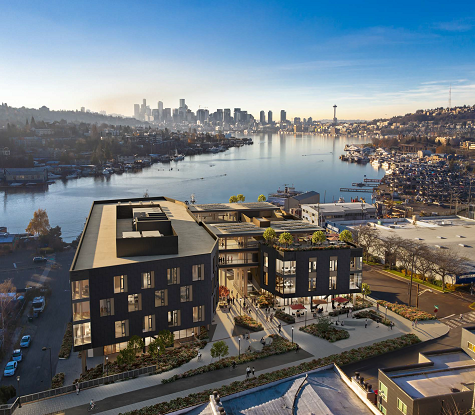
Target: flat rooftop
[[227, 207], [98, 249], [339, 208]]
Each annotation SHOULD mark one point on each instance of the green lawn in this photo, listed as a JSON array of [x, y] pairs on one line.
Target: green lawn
[[415, 280]]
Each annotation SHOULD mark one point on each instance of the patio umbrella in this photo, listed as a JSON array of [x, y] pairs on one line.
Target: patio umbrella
[[318, 301], [297, 307], [341, 300]]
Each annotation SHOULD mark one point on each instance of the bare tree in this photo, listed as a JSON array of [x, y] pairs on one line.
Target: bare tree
[[425, 264], [389, 248], [7, 296], [367, 237], [449, 263]]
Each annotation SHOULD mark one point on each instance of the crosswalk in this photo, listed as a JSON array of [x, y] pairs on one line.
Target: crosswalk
[[456, 321]]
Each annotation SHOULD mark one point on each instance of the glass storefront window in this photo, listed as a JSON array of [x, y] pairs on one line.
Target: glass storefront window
[[80, 289], [82, 333]]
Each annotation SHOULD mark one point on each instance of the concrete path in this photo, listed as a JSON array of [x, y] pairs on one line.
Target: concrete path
[[148, 390]]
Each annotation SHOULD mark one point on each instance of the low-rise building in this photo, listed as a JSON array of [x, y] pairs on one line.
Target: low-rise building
[[332, 212], [24, 175]]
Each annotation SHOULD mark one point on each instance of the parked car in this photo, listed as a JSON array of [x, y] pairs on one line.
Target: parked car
[[39, 259], [10, 368], [17, 355], [25, 341]]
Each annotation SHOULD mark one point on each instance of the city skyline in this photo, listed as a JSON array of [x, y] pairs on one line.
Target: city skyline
[[299, 57]]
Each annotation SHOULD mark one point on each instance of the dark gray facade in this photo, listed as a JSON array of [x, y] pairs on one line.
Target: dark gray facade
[[344, 271]]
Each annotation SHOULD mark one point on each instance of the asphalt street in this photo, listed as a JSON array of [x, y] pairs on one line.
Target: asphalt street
[[48, 329]]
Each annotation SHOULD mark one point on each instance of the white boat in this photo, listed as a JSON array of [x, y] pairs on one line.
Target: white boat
[[179, 157], [53, 176], [71, 176], [376, 163]]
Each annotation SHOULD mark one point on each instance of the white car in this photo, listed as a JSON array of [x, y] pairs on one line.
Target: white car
[[17, 355], [10, 368]]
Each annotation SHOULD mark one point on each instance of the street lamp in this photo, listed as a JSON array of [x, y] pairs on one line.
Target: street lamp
[[240, 306], [239, 348], [107, 365], [19, 396], [292, 334], [50, 367], [305, 318]]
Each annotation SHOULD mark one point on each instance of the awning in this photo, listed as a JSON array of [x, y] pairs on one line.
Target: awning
[[341, 300], [318, 301], [297, 307]]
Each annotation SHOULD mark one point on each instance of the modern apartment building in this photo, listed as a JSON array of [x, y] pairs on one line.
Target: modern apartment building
[[141, 266], [322, 213]]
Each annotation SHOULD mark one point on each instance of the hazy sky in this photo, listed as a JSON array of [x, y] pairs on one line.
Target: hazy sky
[[371, 58]]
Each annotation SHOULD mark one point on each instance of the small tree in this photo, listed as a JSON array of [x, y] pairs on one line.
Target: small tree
[[286, 238], [261, 198], [126, 356], [219, 349], [156, 347], [365, 289], [166, 337], [323, 323], [241, 197], [346, 236], [136, 344], [233, 199], [269, 235], [318, 237], [39, 225], [7, 291]]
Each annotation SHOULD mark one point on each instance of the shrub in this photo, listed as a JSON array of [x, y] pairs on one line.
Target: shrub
[[6, 393], [331, 334], [65, 350], [248, 323], [265, 301], [219, 349], [411, 313], [373, 315], [284, 317], [57, 381]]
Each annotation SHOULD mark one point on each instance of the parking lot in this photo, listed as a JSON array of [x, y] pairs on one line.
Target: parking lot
[[48, 329]]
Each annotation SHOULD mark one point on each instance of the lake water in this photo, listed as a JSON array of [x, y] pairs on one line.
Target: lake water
[[308, 162]]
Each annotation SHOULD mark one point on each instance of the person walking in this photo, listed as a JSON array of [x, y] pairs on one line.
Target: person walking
[[297, 348], [233, 365], [253, 371], [267, 317], [77, 388], [199, 356], [366, 323], [461, 317], [413, 323], [248, 371], [280, 328]]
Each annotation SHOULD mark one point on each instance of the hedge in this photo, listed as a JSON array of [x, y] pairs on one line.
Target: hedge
[[65, 350]]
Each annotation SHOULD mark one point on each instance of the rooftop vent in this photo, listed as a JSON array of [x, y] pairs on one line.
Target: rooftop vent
[[463, 245], [460, 236], [441, 237], [418, 239]]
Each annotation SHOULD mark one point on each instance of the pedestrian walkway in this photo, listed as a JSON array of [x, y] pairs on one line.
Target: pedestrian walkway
[[148, 390], [455, 321]]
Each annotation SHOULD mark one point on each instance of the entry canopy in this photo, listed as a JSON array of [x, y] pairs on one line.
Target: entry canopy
[[319, 301], [341, 300], [297, 307]]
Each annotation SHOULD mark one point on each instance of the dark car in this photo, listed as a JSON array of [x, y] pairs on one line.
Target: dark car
[[39, 259]]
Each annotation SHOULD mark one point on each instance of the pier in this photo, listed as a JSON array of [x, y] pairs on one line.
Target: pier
[[357, 189]]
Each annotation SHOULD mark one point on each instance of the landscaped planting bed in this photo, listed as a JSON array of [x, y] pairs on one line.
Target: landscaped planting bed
[[331, 334], [265, 301], [168, 360], [287, 318], [248, 323], [343, 358], [279, 345], [57, 381], [65, 350], [361, 303], [411, 313], [373, 315]]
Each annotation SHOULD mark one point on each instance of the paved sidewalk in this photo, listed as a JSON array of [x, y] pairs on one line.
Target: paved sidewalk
[[148, 390]]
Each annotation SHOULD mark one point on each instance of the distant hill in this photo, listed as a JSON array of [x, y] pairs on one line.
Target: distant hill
[[438, 115], [20, 115]]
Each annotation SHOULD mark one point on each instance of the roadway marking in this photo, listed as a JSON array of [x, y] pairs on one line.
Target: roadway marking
[[447, 316], [457, 322]]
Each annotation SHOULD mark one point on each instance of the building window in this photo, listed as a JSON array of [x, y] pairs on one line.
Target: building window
[[82, 334], [186, 293], [355, 280], [285, 285], [149, 323], [266, 261], [80, 289], [148, 280], [266, 278], [333, 263], [173, 276], [332, 282], [107, 307], [382, 409], [161, 298], [383, 391], [198, 272], [401, 406], [285, 267], [198, 313], [174, 319], [312, 283], [81, 311], [121, 329], [312, 265], [120, 284], [135, 302]]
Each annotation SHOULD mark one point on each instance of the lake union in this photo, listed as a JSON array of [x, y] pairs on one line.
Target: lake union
[[308, 162]]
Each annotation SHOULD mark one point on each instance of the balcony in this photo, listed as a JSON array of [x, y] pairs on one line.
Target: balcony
[[236, 259], [309, 246]]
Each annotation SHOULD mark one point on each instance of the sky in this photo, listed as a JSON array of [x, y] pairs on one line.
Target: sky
[[373, 59]]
